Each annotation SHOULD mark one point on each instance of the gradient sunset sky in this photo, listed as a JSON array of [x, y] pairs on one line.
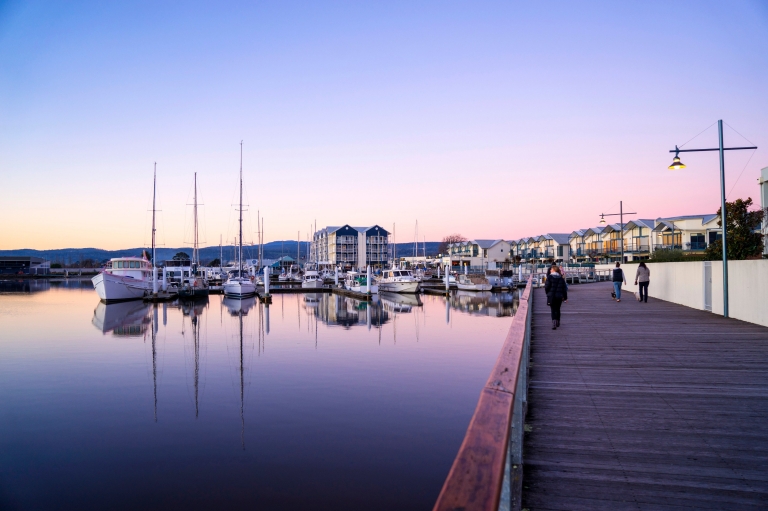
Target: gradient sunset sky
[[489, 119]]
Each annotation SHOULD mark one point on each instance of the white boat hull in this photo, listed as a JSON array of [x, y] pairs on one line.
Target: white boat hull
[[239, 288], [473, 287], [115, 288], [399, 287], [312, 284]]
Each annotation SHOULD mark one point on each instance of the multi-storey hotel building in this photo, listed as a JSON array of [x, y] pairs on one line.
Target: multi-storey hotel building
[[351, 247]]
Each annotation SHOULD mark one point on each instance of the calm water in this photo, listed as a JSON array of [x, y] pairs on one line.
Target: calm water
[[317, 402]]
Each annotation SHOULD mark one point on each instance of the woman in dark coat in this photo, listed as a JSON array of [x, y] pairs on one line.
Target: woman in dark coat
[[557, 293]]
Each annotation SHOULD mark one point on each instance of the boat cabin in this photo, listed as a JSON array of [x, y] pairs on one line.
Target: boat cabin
[[133, 267]]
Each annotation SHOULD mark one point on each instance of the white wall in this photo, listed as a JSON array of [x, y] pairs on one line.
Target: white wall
[[683, 283]]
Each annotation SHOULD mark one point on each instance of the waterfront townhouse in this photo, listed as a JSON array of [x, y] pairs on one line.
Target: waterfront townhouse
[[577, 247], [555, 246], [479, 253], [593, 243], [691, 233], [612, 238], [637, 239], [351, 247]]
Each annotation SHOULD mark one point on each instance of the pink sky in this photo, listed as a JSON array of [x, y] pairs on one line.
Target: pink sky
[[470, 120]]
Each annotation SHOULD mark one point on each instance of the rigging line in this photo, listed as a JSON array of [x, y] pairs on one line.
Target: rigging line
[[742, 136], [742, 172], [705, 129]]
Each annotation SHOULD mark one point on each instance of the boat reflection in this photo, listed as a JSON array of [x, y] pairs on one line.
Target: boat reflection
[[485, 303], [338, 310], [235, 306], [396, 302], [126, 319]]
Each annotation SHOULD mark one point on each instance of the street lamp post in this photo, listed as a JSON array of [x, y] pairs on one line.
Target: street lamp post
[[620, 214], [677, 164]]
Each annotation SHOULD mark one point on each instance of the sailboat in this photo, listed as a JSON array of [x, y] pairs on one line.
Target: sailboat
[[196, 285], [239, 285]]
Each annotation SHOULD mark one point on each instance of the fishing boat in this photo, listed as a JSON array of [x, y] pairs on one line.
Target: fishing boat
[[357, 282], [124, 278], [473, 283], [312, 278], [398, 281], [238, 285]]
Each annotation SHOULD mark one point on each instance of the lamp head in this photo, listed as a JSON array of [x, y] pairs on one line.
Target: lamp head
[[676, 163], [602, 219]]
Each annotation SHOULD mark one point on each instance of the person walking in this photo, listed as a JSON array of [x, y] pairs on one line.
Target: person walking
[[642, 278], [618, 278], [557, 293]]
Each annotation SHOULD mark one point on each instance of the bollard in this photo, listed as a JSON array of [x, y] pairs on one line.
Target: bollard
[[368, 280]]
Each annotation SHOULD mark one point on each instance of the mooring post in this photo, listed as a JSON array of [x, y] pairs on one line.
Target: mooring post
[[447, 279], [368, 280], [155, 283], [266, 281], [336, 276], [165, 279]]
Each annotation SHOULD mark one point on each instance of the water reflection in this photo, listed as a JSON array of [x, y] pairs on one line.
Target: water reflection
[[186, 398], [127, 319], [337, 310], [24, 286], [485, 303]]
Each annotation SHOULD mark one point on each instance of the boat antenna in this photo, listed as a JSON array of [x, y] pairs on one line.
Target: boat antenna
[[195, 253], [154, 195]]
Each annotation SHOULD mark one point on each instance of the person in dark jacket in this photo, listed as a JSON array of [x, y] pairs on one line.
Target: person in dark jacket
[[557, 293], [618, 279]]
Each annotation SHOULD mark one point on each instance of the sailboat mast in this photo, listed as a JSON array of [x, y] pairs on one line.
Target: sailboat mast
[[195, 253], [154, 196], [240, 240]]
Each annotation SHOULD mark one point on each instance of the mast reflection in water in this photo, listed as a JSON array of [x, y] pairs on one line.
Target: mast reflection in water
[[316, 401]]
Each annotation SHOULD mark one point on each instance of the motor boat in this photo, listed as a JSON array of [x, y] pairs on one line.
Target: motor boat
[[124, 278], [473, 283], [357, 282], [398, 281], [311, 279]]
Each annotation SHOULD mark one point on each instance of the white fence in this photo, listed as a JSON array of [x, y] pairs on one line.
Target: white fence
[[699, 284]]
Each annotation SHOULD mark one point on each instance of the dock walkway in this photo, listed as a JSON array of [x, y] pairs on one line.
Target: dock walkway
[[635, 406]]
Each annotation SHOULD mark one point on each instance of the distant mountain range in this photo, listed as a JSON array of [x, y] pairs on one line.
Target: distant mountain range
[[272, 250]]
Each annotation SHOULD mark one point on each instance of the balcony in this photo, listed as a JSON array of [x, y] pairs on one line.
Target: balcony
[[666, 247], [637, 247]]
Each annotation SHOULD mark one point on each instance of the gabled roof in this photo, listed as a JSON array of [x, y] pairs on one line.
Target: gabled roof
[[611, 228], [486, 243], [578, 233], [650, 224], [560, 238], [593, 230]]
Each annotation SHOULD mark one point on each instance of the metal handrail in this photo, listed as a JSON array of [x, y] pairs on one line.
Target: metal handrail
[[487, 471]]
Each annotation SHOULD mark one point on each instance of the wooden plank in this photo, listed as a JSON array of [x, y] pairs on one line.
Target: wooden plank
[[645, 406]]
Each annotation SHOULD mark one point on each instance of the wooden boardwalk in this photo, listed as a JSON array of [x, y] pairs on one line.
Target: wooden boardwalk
[[635, 406]]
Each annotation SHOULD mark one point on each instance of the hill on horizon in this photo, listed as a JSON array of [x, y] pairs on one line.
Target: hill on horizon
[[272, 250]]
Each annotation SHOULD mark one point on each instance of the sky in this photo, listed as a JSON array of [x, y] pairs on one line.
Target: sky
[[488, 119]]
